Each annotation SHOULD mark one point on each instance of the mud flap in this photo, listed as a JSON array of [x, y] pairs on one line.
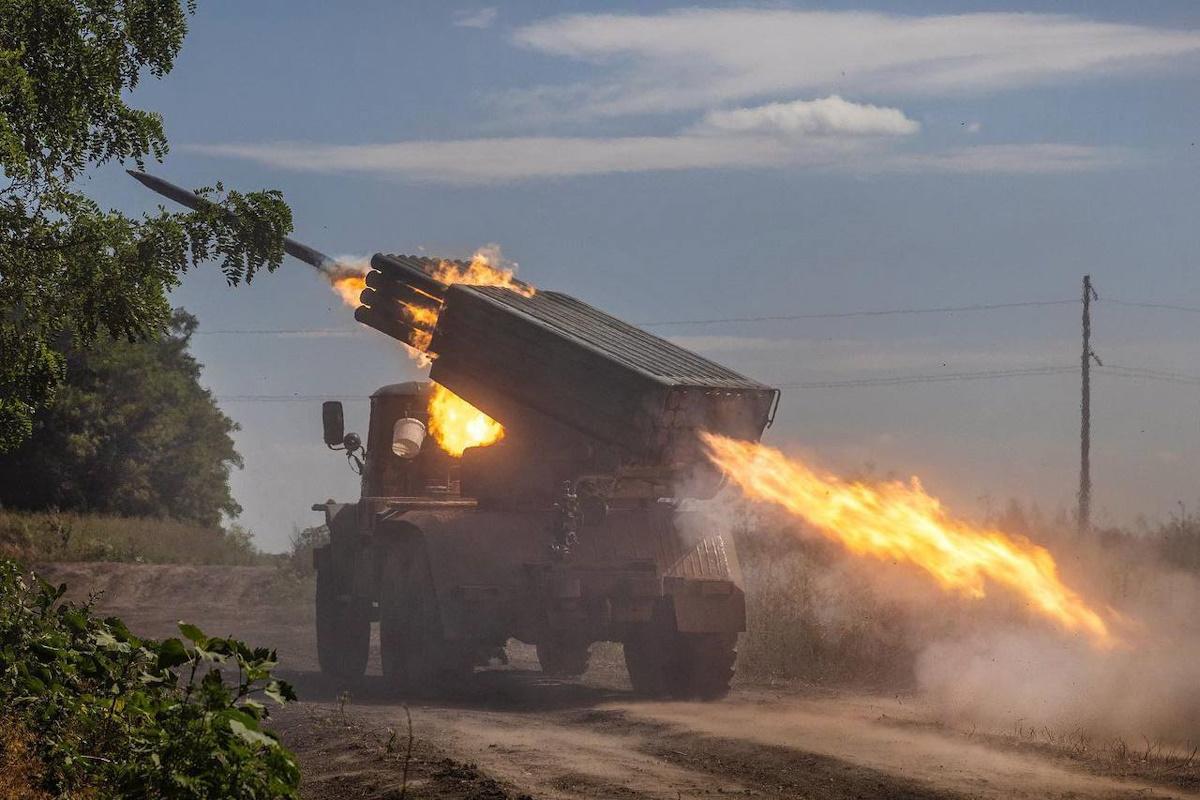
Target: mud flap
[[706, 605]]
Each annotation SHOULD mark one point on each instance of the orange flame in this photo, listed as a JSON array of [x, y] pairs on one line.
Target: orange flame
[[482, 271], [902, 523], [349, 287], [456, 425]]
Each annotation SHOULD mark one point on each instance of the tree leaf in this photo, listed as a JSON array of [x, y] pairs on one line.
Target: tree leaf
[[249, 736], [193, 634], [172, 653]]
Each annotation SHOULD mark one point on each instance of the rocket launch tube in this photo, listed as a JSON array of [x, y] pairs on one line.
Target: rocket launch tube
[[193, 201], [392, 307], [402, 292], [407, 272], [387, 324]]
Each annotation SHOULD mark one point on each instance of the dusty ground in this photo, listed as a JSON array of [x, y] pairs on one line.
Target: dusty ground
[[512, 733]]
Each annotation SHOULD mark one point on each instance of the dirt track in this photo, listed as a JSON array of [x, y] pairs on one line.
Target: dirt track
[[511, 732]]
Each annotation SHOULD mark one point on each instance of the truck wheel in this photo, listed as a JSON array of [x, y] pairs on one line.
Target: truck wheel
[[416, 658], [663, 662], [343, 630], [708, 664], [562, 657]]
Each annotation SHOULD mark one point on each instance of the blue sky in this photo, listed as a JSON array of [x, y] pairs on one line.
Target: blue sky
[[672, 162]]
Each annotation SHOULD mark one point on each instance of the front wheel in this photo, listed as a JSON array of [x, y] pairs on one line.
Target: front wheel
[[343, 630], [562, 657], [416, 656], [663, 662]]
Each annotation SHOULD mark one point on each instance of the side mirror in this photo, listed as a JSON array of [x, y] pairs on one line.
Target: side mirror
[[333, 422]]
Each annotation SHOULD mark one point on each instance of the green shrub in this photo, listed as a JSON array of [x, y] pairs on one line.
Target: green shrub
[[111, 715], [34, 537], [303, 543]]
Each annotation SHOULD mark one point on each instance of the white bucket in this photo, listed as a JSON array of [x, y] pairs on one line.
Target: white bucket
[[408, 435]]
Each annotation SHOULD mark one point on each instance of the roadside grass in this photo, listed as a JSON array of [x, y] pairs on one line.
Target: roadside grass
[[20, 769], [34, 537], [1176, 765], [810, 619]]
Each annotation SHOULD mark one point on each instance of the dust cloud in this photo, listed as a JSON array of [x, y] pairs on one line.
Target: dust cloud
[[1013, 676], [818, 613]]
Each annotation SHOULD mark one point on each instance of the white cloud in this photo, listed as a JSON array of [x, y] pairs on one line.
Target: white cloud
[[474, 161], [1009, 158], [702, 58], [825, 117], [519, 158], [476, 18]]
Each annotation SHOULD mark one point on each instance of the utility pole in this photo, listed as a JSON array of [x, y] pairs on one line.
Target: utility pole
[[1085, 409]]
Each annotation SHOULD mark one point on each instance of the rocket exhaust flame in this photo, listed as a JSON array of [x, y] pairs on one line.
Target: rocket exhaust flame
[[456, 424], [348, 287], [902, 523]]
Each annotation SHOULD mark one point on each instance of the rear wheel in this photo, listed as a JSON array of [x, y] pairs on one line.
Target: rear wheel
[[416, 657], [343, 629], [663, 662], [563, 657]]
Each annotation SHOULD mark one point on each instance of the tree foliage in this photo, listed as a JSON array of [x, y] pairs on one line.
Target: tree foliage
[[131, 432], [68, 268], [110, 714]]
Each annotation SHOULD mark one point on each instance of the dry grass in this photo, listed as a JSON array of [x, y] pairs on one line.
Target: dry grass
[[1176, 765], [20, 771], [810, 618], [52, 536]]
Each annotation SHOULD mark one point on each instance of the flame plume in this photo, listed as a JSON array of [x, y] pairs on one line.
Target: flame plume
[[349, 287], [482, 270], [456, 425], [902, 523]]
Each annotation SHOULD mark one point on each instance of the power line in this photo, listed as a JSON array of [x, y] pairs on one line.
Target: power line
[[885, 312], [281, 332], [1112, 370], [1169, 376], [900, 380], [300, 398], [1155, 306], [864, 313], [891, 380]]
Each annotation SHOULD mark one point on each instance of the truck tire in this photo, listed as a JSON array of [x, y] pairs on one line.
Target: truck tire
[[343, 630], [563, 658], [416, 657], [663, 662]]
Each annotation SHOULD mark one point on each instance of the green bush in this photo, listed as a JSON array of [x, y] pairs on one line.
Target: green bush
[[113, 715], [35, 537], [303, 544]]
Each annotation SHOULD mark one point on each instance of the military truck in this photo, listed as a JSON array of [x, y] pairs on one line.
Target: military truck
[[581, 525], [588, 521]]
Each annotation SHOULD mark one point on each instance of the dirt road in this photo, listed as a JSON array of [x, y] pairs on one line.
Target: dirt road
[[512, 733]]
